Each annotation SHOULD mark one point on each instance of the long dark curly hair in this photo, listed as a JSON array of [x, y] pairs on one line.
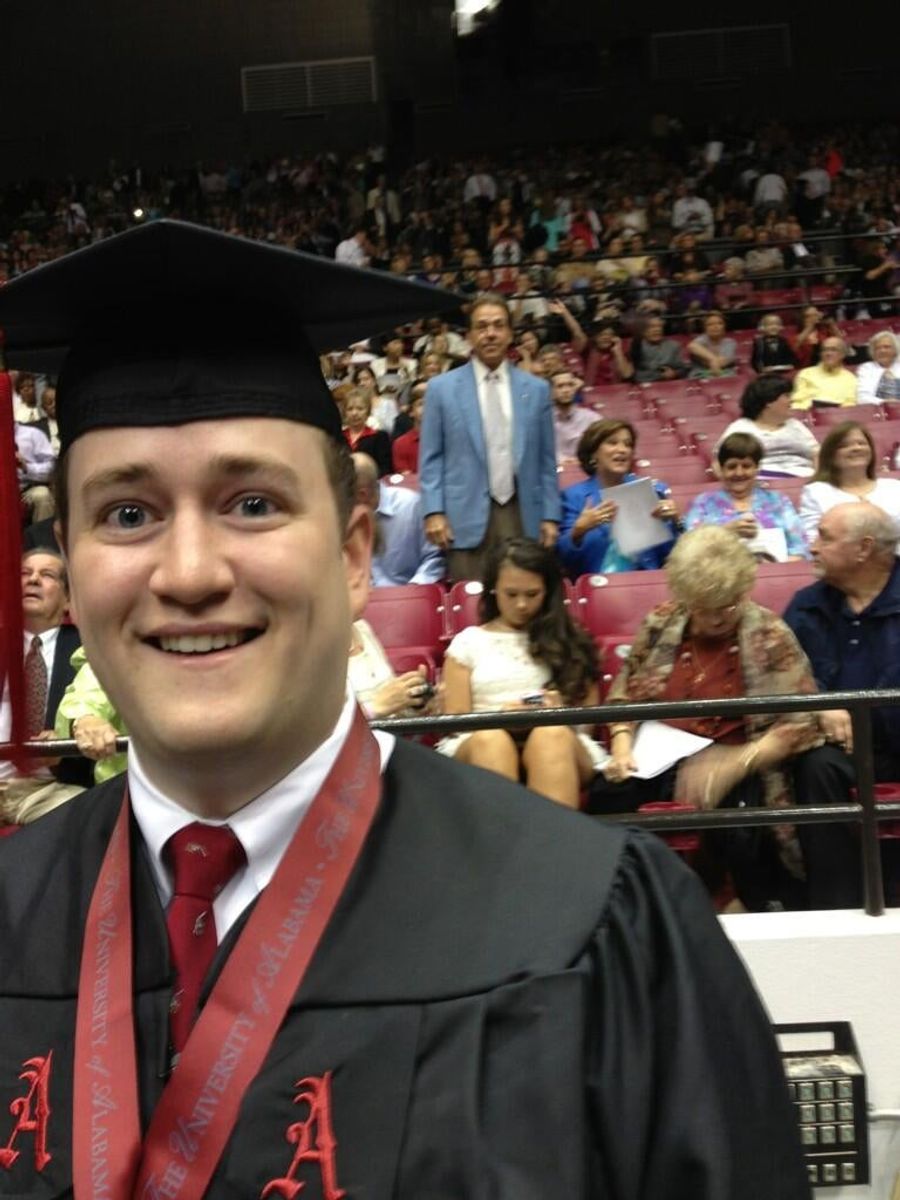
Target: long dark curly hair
[[553, 637]]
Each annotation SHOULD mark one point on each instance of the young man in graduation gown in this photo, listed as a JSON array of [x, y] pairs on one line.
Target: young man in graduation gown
[[296, 958]]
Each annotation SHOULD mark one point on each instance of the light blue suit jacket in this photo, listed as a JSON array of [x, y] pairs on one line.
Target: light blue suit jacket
[[453, 471]]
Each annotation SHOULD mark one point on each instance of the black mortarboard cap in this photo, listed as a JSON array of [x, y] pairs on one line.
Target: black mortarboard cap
[[172, 322]]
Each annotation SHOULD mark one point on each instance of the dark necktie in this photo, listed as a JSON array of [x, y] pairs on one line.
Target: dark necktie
[[203, 859], [35, 689]]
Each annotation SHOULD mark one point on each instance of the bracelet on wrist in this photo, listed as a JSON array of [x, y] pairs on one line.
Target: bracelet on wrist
[[749, 756]]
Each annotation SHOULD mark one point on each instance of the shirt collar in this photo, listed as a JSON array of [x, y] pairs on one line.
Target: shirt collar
[[482, 371], [48, 638], [265, 825], [388, 500]]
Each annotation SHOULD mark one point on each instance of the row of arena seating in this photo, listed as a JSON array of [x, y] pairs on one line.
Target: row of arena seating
[[855, 332], [414, 623], [656, 406], [686, 474], [663, 405]]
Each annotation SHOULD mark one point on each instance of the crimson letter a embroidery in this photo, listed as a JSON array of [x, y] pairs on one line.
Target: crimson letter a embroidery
[[315, 1142], [32, 1112]]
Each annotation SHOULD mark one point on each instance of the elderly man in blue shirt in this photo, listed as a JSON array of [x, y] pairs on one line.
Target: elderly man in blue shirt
[[848, 622], [402, 552]]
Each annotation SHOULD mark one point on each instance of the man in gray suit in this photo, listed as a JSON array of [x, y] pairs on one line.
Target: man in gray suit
[[487, 463]]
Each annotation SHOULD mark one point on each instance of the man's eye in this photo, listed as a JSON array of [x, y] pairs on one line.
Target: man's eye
[[127, 516], [255, 506]]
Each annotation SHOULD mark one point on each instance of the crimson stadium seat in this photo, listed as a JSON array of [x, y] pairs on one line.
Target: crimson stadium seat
[[775, 300], [710, 428], [886, 436], [658, 443], [410, 618], [568, 475], [786, 487], [410, 658], [887, 830], [614, 605], [686, 468], [464, 604], [865, 414], [821, 293], [606, 393], [612, 652], [776, 583], [684, 494]]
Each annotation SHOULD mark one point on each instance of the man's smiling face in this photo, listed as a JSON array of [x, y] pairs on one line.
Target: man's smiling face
[[213, 589]]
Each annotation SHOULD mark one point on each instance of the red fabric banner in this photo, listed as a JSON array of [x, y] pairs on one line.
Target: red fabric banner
[[11, 630]]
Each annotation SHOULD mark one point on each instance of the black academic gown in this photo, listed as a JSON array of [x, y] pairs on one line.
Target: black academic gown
[[516, 1003]]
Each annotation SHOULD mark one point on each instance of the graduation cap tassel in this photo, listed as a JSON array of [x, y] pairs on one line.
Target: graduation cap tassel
[[11, 625]]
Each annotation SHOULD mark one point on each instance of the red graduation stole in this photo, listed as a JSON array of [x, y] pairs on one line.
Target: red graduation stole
[[11, 626], [232, 1035]]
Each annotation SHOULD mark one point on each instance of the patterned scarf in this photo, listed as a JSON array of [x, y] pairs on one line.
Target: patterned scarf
[[772, 664]]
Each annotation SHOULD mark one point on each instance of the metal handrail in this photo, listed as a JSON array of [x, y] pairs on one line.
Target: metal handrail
[[859, 704], [867, 812]]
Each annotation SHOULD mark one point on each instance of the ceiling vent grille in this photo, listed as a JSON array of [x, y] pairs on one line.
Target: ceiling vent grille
[[703, 54], [292, 87]]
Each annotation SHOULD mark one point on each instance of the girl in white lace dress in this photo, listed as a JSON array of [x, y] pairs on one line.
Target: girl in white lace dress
[[527, 652]]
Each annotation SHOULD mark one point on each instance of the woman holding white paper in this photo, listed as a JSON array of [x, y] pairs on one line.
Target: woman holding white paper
[[766, 520], [587, 543], [711, 641]]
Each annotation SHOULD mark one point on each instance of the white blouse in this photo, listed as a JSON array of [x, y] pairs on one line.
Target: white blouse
[[817, 498], [868, 377], [789, 450]]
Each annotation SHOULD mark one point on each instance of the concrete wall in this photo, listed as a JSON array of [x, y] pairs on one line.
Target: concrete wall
[[83, 83], [837, 966]]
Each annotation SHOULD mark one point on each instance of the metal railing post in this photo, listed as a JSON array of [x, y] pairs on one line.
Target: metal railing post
[[873, 883]]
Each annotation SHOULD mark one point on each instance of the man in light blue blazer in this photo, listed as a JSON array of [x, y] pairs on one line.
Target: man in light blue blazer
[[487, 462]]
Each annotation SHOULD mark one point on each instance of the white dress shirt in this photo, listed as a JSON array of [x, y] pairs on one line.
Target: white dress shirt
[[504, 387], [351, 252], [264, 826]]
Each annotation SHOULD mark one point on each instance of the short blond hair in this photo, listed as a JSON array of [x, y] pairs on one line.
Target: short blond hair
[[710, 567]]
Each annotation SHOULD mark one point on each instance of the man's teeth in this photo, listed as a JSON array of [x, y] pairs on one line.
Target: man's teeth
[[200, 643]]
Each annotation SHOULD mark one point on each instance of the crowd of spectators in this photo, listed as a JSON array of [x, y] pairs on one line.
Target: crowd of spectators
[[617, 223], [618, 268]]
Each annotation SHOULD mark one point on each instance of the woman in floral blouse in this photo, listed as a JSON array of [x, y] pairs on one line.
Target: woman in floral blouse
[[766, 520]]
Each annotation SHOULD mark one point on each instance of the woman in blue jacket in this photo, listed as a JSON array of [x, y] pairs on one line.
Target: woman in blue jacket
[[586, 545]]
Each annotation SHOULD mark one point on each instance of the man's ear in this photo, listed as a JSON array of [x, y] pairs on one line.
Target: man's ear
[[59, 534], [357, 552]]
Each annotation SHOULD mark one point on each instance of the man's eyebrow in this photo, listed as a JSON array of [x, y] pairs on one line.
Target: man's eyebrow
[[116, 476], [236, 466], [232, 466]]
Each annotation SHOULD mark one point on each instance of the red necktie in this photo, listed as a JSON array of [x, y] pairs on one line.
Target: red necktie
[[35, 689], [203, 858]]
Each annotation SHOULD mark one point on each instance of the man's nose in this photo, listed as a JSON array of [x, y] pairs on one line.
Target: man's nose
[[194, 566]]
